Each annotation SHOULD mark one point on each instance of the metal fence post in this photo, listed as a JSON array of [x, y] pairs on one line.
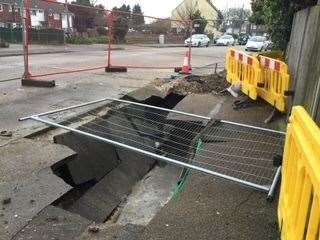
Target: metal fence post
[[190, 45], [25, 36], [110, 26], [27, 79]]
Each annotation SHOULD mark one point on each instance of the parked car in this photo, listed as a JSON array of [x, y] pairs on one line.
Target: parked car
[[243, 39], [257, 43], [198, 40], [226, 40]]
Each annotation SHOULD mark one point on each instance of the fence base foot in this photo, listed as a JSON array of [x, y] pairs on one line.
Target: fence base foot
[[275, 114], [244, 103], [116, 69], [177, 69], [37, 83]]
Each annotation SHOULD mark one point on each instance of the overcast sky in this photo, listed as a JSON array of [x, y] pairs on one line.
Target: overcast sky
[[163, 8]]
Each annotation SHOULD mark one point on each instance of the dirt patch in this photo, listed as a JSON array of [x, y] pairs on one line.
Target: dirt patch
[[213, 83]]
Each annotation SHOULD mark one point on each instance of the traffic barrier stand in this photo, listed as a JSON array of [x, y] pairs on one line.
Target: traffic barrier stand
[[126, 41], [27, 78], [245, 70], [275, 82], [146, 33], [61, 31], [299, 202]]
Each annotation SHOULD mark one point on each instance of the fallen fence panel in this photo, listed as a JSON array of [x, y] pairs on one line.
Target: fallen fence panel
[[235, 152], [299, 204]]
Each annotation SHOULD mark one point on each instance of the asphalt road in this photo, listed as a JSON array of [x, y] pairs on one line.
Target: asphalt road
[[75, 88], [94, 56]]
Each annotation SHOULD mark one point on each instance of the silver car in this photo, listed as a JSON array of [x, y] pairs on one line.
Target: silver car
[[226, 40], [257, 43], [197, 40]]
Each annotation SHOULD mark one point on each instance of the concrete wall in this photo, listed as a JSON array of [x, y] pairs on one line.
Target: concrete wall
[[303, 57]]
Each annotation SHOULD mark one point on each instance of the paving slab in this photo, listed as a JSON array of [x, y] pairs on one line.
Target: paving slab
[[21, 158], [211, 208], [142, 94], [149, 195], [54, 223], [94, 160], [27, 183], [200, 104], [98, 203], [26, 198], [114, 232], [221, 107]]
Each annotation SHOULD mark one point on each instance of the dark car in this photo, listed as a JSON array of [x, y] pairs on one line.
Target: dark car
[[243, 39]]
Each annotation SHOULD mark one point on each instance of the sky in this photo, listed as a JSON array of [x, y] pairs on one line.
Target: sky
[[163, 8]]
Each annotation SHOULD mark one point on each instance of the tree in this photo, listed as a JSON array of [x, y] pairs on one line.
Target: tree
[[121, 22], [200, 23], [137, 16], [278, 15], [257, 16], [235, 18], [186, 13], [83, 16], [83, 2], [100, 20], [160, 26], [190, 12], [90, 3]]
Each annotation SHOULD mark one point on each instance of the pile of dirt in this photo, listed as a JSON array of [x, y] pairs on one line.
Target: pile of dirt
[[213, 83]]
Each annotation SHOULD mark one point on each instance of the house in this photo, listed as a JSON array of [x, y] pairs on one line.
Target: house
[[188, 7], [10, 14], [43, 15]]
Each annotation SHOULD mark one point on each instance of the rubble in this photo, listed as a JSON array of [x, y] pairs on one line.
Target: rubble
[[213, 83]]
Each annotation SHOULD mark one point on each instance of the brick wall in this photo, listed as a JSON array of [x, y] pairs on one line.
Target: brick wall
[[8, 15]]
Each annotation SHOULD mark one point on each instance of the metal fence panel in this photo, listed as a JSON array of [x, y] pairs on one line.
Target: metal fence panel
[[235, 152]]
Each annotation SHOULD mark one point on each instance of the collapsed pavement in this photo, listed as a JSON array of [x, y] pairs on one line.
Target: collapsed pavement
[[99, 178]]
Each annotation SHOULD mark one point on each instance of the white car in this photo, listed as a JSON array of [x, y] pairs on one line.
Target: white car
[[198, 40], [257, 43], [225, 40]]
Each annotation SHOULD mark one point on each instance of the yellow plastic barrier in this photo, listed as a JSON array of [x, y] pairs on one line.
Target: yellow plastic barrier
[[244, 69], [299, 203], [278, 55], [275, 78]]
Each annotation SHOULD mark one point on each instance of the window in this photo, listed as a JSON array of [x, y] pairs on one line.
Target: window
[[16, 9], [33, 12], [56, 16], [11, 8], [1, 7]]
